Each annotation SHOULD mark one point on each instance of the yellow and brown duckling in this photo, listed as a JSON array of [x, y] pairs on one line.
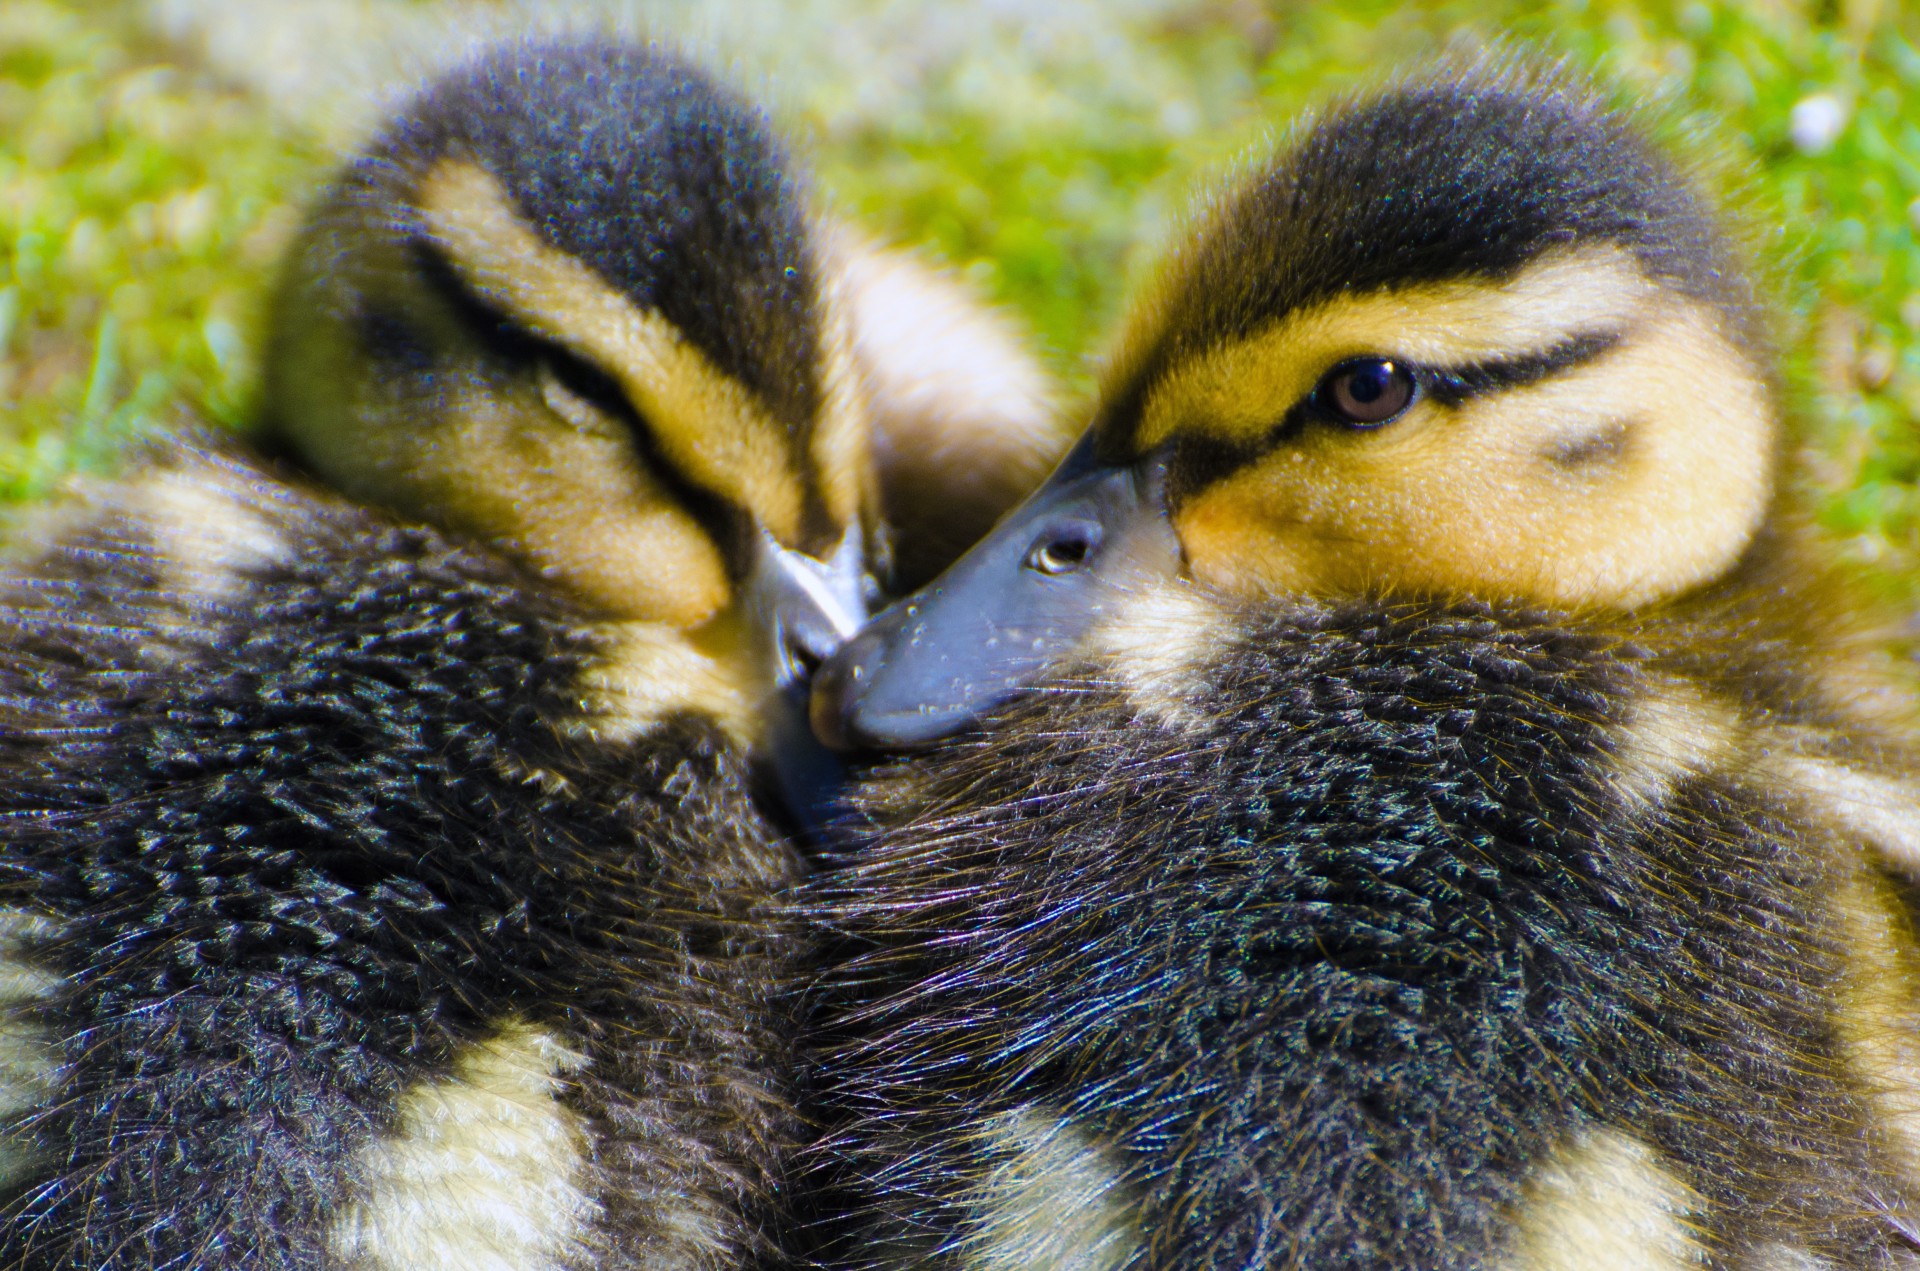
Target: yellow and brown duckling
[[383, 885], [1461, 822]]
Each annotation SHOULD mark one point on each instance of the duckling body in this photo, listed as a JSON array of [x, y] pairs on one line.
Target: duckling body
[[1453, 829], [335, 944], [384, 887], [1426, 950]]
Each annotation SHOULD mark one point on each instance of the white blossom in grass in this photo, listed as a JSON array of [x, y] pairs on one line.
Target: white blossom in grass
[[1816, 123]]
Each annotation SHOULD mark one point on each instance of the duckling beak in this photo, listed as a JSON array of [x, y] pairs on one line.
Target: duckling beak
[[804, 609], [1003, 614]]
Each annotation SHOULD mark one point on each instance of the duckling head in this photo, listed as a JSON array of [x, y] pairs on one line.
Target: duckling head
[[571, 303], [1467, 337]]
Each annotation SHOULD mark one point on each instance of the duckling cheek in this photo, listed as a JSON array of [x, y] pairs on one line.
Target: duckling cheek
[[646, 564], [576, 505], [1243, 550], [1613, 486], [1306, 522], [1648, 473], [1329, 515]]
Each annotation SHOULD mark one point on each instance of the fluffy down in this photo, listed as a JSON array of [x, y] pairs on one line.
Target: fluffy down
[[302, 840], [1336, 964]]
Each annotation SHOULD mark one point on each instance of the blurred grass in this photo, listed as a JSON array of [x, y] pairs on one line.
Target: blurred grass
[[142, 199], [141, 205]]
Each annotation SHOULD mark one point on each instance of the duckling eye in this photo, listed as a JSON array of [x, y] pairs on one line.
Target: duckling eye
[[1366, 392], [1063, 547]]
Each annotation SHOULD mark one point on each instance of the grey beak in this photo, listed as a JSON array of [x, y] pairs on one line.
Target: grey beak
[[1015, 605], [804, 609]]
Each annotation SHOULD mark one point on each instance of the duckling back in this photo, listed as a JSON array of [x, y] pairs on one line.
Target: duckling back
[[1406, 853]]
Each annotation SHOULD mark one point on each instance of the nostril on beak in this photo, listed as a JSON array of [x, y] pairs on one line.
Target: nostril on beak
[[1065, 546]]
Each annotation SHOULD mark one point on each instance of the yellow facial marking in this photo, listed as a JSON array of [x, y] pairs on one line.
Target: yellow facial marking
[[1604, 1203], [503, 454], [706, 423], [574, 500], [1622, 480]]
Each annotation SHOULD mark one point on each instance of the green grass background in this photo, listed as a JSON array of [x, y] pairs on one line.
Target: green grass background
[[154, 155]]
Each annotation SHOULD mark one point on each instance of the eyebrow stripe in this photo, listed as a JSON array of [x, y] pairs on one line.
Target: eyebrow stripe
[[1451, 386]]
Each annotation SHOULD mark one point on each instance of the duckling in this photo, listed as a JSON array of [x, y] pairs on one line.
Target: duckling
[[1408, 791], [386, 885]]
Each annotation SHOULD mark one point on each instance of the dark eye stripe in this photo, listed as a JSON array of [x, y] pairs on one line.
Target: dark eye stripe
[[510, 344], [1451, 386], [1200, 459], [504, 338]]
